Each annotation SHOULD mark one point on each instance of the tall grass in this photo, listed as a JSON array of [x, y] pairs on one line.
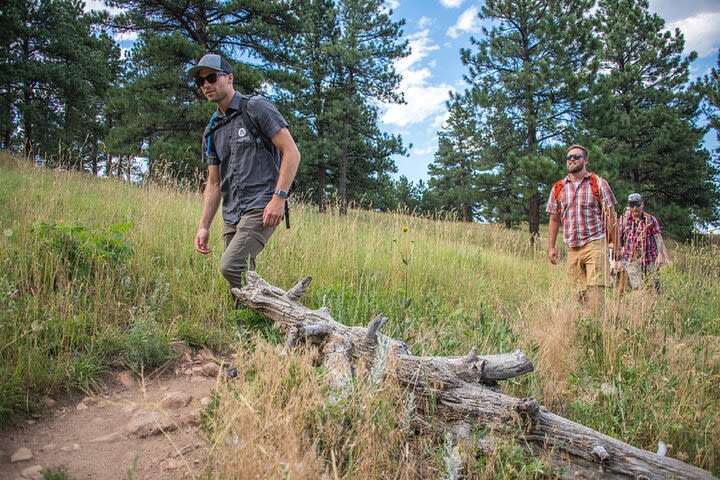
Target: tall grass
[[88, 264]]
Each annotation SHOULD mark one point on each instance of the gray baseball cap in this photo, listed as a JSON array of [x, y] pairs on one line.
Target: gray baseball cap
[[635, 197], [211, 60]]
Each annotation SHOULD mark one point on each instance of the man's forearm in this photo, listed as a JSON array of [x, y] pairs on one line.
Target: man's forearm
[[661, 247], [211, 202], [288, 169], [553, 228]]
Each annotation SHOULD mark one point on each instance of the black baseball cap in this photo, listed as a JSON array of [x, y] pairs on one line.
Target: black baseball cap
[[210, 60]]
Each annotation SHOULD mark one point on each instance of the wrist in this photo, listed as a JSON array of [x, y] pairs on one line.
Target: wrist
[[280, 193]]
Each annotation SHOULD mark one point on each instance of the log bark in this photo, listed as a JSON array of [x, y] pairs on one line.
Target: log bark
[[463, 389]]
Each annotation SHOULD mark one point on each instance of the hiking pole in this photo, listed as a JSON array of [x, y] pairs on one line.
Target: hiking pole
[[287, 215]]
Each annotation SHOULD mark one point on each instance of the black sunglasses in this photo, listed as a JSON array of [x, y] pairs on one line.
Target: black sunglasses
[[634, 204], [211, 78], [575, 156]]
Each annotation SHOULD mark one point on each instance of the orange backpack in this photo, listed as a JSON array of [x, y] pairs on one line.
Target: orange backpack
[[557, 188]]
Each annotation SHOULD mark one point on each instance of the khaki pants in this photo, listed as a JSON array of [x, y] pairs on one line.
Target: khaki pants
[[588, 266], [243, 242]]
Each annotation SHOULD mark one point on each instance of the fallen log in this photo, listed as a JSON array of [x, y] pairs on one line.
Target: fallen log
[[462, 388]]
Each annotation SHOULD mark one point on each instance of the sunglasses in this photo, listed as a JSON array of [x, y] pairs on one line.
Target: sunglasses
[[575, 156], [634, 204], [211, 78]]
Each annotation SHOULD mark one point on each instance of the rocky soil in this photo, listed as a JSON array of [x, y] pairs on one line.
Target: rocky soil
[[138, 427]]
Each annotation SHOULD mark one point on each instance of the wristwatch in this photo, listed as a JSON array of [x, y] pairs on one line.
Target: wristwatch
[[281, 193]]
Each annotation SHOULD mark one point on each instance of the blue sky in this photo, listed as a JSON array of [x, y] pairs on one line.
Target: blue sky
[[438, 29]]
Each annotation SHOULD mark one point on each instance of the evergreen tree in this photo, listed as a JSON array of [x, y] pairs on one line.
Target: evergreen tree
[[644, 116], [452, 174], [363, 74], [55, 73], [529, 73]]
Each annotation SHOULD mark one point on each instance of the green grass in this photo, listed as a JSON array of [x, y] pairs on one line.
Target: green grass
[[96, 272]]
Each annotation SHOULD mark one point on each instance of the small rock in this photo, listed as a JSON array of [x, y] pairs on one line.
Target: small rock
[[187, 359], [175, 400], [21, 454], [180, 347], [188, 371], [126, 379], [32, 472], [49, 402], [193, 417], [74, 446], [109, 438], [197, 369], [144, 424], [205, 401], [211, 369], [206, 354], [172, 464], [49, 446], [30, 422], [80, 407]]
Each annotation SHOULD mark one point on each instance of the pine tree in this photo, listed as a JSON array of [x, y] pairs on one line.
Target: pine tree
[[530, 70], [453, 173], [644, 116], [55, 72], [363, 74]]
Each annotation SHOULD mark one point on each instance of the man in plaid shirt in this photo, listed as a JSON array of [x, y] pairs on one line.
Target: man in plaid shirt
[[584, 203], [643, 248]]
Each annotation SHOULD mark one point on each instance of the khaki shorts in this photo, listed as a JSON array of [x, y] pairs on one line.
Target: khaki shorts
[[589, 266]]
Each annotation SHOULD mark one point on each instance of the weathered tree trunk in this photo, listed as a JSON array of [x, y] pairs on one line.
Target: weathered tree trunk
[[462, 388]]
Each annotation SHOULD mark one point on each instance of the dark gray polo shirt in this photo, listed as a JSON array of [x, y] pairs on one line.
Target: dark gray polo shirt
[[248, 171]]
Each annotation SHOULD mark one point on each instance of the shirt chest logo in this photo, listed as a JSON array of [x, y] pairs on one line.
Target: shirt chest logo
[[242, 132]]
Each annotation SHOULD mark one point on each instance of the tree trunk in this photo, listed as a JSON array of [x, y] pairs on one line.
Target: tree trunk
[[534, 217], [460, 388]]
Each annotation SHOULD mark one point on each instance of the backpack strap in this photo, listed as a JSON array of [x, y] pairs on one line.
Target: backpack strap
[[595, 187], [258, 135]]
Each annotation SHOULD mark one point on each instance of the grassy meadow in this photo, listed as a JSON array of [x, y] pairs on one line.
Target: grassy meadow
[[97, 274]]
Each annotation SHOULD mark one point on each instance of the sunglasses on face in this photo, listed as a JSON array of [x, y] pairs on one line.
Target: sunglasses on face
[[574, 156], [211, 78], [634, 204]]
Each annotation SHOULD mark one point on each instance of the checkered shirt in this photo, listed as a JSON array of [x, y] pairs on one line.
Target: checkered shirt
[[638, 238], [580, 212]]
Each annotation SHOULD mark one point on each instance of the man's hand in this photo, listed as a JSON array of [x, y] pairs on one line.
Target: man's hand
[[201, 240], [274, 212], [552, 255]]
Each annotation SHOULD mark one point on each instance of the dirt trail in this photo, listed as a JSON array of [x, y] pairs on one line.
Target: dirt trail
[[148, 426]]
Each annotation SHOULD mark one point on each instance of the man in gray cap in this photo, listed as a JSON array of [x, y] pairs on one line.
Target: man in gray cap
[[643, 248], [243, 146]]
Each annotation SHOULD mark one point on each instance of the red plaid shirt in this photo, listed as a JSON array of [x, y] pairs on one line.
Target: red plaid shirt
[[581, 214], [637, 236]]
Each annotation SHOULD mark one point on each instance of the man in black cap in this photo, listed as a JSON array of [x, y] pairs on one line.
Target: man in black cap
[[243, 147], [643, 248]]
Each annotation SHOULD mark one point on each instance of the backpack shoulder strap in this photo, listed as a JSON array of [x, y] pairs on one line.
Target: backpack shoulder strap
[[257, 134], [594, 180], [557, 189], [208, 133]]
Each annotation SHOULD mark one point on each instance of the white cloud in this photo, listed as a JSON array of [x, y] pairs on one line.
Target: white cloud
[[425, 22], [468, 21], [451, 3], [427, 150], [701, 31], [125, 36], [423, 100], [100, 6], [393, 4]]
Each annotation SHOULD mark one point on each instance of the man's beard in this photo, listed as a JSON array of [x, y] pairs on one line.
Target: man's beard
[[577, 168]]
